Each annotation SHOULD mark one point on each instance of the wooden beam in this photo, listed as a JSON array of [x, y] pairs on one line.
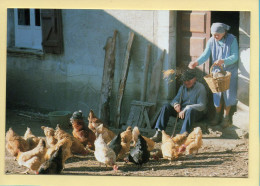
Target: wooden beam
[[107, 80], [145, 74], [123, 79]]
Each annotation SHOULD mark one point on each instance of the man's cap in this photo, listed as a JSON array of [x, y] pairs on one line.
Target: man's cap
[[77, 115], [188, 74]]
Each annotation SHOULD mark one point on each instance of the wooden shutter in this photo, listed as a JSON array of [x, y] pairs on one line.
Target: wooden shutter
[[52, 36]]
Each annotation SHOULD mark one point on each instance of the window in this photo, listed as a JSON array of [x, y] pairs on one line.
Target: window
[[28, 31], [39, 29]]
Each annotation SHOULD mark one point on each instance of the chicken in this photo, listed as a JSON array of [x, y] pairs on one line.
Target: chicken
[[31, 139], [81, 132], [179, 139], [150, 142], [126, 138], [115, 144], [77, 147], [49, 133], [168, 147], [15, 143], [65, 144], [139, 154], [107, 134], [193, 142], [54, 165], [34, 158], [94, 122], [104, 154]]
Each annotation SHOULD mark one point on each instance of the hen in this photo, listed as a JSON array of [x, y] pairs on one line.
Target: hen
[[34, 158], [49, 133], [139, 154], [65, 144], [115, 144], [150, 142], [31, 139], [15, 143], [126, 138], [54, 165], [76, 147], [193, 141], [104, 154], [107, 134], [169, 148], [93, 121], [81, 132]]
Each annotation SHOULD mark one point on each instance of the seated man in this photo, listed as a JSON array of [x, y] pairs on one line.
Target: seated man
[[189, 104]]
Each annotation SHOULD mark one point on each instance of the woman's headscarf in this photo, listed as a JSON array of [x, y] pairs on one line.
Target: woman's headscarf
[[219, 28]]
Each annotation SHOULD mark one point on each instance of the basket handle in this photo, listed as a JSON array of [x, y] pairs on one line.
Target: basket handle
[[221, 69]]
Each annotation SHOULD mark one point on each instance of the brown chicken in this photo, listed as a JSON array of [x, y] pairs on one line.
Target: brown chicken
[[94, 122], [65, 144], [34, 158], [107, 134], [31, 139], [50, 138], [179, 139], [193, 142], [150, 143], [126, 138], [15, 143], [77, 147], [81, 132], [169, 148]]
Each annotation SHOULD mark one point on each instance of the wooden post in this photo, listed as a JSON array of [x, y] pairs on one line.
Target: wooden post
[[155, 82], [146, 68], [107, 80], [123, 79]]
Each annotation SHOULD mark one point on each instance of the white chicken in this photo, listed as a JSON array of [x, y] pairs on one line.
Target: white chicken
[[104, 154]]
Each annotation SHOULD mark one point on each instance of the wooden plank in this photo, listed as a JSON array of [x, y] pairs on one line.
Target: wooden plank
[[123, 78], [107, 80], [155, 82], [134, 116], [145, 74]]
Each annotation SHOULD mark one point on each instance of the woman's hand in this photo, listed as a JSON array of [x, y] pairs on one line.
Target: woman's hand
[[177, 107], [219, 62], [193, 64]]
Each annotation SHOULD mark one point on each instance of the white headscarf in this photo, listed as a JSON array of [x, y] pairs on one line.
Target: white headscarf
[[219, 28]]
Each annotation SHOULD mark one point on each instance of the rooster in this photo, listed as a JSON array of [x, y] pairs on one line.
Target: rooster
[[139, 154], [31, 139], [150, 142], [107, 134], [115, 144], [104, 154], [15, 143], [50, 138], [168, 147], [126, 138], [76, 147], [34, 158], [94, 122], [54, 165], [193, 142]]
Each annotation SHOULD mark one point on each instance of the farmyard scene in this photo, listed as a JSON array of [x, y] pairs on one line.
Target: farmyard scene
[[127, 92]]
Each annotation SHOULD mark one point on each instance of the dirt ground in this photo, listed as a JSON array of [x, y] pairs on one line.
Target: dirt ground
[[218, 157]]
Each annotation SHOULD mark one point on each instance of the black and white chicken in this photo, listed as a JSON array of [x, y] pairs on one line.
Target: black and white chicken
[[139, 154]]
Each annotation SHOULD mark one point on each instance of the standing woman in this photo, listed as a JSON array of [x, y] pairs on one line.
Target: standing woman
[[223, 48]]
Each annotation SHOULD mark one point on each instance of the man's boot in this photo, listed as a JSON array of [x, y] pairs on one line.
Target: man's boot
[[226, 122], [157, 136], [216, 120]]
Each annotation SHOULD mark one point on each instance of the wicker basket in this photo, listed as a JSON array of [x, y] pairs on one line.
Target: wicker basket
[[218, 84]]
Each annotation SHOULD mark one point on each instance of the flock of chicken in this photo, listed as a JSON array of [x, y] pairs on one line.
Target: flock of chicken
[[47, 155]]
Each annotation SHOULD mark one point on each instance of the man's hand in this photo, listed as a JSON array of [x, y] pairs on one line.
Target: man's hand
[[193, 64], [182, 114], [177, 107]]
